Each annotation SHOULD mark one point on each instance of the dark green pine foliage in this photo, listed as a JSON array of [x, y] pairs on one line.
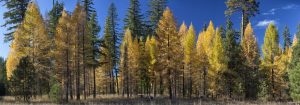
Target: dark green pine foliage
[[157, 8], [2, 70], [294, 71], [88, 7], [112, 29], [94, 32], [111, 42], [223, 32], [286, 38], [248, 8], [96, 43], [14, 16], [22, 80], [2, 77], [134, 20], [54, 16], [233, 50]]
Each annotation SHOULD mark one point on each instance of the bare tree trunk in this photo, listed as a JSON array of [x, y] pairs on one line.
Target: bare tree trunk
[[83, 62], [183, 83], [204, 81], [78, 68], [94, 82]]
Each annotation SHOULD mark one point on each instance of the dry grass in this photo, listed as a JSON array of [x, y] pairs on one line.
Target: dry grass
[[119, 100]]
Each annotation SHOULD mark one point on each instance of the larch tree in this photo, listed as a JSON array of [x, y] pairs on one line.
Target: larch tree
[[14, 16], [144, 75], [189, 52], [208, 38], [168, 42], [218, 61], [134, 68], [271, 50], [12, 59], [130, 65], [124, 67], [183, 29], [83, 49], [31, 40], [40, 46], [202, 65], [151, 49], [248, 8], [63, 53], [250, 53]]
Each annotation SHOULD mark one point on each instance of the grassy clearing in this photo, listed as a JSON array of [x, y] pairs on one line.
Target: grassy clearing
[[119, 100]]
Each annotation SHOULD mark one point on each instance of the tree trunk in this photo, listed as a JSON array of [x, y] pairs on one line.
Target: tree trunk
[[94, 82], [78, 68], [83, 63], [204, 81]]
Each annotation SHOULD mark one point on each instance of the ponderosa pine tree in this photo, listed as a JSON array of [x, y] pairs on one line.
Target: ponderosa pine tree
[[111, 42], [96, 43], [233, 50], [286, 38], [134, 20], [248, 8], [54, 16], [156, 11], [168, 42], [250, 52], [14, 16], [270, 51], [88, 8]]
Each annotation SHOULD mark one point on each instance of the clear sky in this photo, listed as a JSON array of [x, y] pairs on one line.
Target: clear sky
[[281, 12]]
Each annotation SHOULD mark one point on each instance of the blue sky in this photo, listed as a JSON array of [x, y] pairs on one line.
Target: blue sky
[[281, 12]]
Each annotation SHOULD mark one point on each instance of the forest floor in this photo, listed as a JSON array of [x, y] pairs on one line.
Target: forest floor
[[119, 100]]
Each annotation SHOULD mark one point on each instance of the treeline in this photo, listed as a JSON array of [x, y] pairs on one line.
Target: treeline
[[64, 57], [57, 56]]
